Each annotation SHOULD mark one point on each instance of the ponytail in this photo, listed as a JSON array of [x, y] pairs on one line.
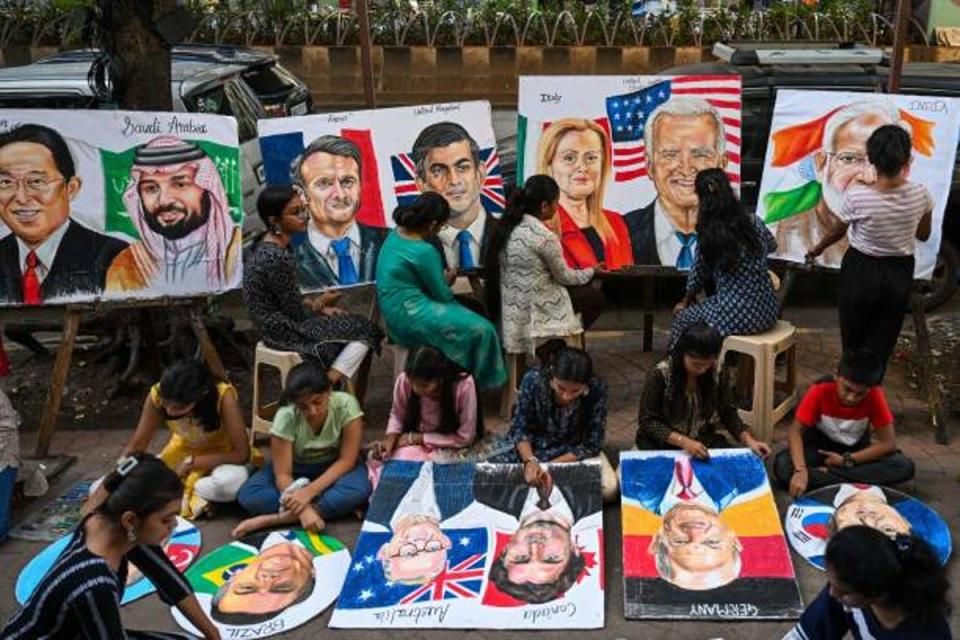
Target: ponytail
[[902, 571], [141, 483], [525, 200]]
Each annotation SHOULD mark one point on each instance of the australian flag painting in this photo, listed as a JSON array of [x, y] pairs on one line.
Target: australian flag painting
[[628, 114], [491, 192], [366, 587]]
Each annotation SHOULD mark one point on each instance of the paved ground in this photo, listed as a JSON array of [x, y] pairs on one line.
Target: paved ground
[[619, 358]]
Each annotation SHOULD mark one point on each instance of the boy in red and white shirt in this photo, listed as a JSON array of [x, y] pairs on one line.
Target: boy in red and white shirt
[[829, 441]]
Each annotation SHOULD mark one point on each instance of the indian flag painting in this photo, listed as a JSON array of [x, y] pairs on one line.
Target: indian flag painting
[[267, 583], [117, 205], [817, 151]]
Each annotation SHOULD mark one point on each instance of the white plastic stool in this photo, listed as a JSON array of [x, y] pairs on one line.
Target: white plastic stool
[[764, 349], [283, 361], [399, 358]]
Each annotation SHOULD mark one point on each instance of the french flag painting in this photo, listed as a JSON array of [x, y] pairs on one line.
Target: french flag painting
[[491, 194]]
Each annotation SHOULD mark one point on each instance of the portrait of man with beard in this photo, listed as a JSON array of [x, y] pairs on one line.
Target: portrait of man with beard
[[188, 241], [838, 165]]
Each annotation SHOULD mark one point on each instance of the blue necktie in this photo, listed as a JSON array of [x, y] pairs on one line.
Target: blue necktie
[[685, 258], [348, 271], [466, 258]]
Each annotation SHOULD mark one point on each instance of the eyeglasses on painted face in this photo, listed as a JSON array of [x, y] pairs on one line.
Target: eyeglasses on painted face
[[33, 185]]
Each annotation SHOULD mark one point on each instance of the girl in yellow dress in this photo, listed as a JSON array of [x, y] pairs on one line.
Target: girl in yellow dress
[[208, 446]]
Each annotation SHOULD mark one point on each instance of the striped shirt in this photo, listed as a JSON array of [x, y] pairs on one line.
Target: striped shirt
[[80, 596], [884, 223]]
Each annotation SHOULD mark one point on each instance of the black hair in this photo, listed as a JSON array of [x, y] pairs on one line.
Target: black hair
[[537, 593], [304, 379], [144, 489], [441, 134], [429, 208], [333, 145], [272, 201], [724, 229], [889, 149], [47, 137], [861, 366], [901, 572], [526, 200], [243, 618], [700, 341], [427, 363], [190, 382], [559, 361]]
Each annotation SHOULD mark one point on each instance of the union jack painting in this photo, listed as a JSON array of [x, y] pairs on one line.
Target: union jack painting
[[491, 193]]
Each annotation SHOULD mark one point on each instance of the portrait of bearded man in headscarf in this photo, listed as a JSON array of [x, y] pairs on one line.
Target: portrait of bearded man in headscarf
[[188, 241]]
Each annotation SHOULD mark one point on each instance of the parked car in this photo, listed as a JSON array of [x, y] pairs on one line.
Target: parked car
[[761, 81], [279, 91], [195, 87]]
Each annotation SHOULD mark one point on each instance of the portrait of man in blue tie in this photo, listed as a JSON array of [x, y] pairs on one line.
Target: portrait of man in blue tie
[[682, 137], [339, 250], [448, 162]]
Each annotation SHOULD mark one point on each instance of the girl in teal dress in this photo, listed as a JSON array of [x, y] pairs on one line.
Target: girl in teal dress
[[417, 304]]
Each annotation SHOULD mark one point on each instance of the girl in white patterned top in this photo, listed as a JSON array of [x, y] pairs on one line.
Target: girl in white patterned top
[[885, 219]]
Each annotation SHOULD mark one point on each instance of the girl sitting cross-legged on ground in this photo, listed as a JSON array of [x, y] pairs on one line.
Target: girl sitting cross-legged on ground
[[685, 400], [315, 472]]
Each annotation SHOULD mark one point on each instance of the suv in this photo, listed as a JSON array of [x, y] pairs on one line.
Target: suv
[[280, 92], [761, 80], [195, 86]]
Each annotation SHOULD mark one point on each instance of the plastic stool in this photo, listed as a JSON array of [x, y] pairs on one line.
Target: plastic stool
[[400, 354], [283, 361], [764, 349]]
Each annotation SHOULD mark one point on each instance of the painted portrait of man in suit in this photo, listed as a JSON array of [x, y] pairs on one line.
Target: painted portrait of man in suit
[[448, 162], [339, 250], [683, 136], [47, 255]]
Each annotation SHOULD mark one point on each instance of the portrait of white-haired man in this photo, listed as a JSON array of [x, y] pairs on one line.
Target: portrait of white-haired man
[[840, 164], [177, 202], [682, 137]]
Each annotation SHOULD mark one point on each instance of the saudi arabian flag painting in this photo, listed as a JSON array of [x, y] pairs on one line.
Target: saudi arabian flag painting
[[818, 150]]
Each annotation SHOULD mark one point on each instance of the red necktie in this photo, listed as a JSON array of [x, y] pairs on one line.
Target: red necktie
[[31, 283], [684, 473], [4, 361]]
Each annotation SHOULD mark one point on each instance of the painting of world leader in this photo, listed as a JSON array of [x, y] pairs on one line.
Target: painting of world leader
[[339, 250], [48, 255]]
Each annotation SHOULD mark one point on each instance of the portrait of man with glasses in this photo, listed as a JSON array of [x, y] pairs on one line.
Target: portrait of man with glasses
[[682, 137], [840, 164], [47, 255]]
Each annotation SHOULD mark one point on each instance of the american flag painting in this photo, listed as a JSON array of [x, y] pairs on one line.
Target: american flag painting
[[628, 113], [491, 193]]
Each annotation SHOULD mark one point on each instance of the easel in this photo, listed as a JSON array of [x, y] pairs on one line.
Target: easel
[[72, 315], [928, 386]]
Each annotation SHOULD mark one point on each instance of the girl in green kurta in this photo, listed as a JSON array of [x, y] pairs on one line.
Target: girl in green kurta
[[417, 304]]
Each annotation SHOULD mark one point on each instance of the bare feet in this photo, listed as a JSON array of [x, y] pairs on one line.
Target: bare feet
[[256, 523], [311, 521]]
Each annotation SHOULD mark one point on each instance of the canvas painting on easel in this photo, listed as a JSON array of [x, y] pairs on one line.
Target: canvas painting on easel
[[472, 546], [117, 205], [702, 539]]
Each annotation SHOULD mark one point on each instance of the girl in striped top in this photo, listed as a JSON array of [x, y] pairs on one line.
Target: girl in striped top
[[884, 219], [80, 595]]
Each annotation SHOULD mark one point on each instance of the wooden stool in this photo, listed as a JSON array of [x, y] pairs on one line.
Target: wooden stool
[[517, 366], [764, 349], [283, 361]]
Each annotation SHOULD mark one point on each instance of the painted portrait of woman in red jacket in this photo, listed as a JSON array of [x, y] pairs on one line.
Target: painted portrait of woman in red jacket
[[576, 153]]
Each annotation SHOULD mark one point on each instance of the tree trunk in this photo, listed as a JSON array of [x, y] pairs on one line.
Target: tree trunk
[[141, 56]]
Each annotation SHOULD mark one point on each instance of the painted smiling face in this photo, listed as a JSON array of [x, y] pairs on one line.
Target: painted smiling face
[[34, 196]]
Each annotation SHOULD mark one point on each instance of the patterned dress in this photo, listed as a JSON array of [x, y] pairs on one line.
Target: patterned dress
[[535, 302], [419, 309], [744, 303], [273, 299]]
